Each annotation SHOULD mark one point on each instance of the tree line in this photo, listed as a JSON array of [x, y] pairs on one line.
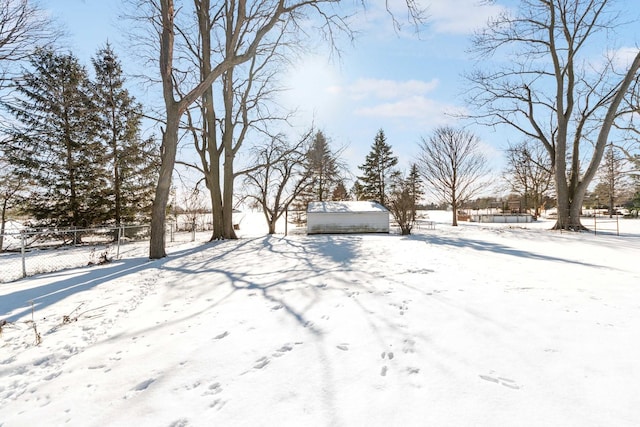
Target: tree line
[[218, 65]]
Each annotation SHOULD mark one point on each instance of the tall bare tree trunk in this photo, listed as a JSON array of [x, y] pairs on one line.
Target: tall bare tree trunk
[[210, 144], [168, 157], [454, 208], [169, 135], [229, 156]]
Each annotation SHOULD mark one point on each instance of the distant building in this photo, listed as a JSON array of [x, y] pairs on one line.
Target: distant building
[[347, 217]]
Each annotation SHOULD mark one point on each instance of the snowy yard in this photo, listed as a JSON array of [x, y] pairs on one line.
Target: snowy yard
[[483, 324]]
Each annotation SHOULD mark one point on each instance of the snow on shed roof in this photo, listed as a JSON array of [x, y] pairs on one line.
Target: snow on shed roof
[[345, 207]]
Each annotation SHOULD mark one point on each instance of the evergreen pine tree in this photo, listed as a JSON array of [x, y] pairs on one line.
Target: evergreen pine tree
[[131, 161], [340, 192], [378, 170], [322, 167], [53, 142], [414, 187]]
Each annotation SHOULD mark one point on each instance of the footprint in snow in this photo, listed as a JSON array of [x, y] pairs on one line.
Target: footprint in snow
[[217, 404], [52, 375], [140, 387], [408, 346], [343, 346], [144, 384], [222, 335], [509, 383], [261, 363], [213, 389], [282, 350]]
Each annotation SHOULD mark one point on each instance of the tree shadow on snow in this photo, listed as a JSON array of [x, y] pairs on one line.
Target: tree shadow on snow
[[254, 277], [481, 245], [70, 283]]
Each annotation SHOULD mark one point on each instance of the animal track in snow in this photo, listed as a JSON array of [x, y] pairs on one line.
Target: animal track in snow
[[343, 346], [403, 307], [408, 346], [264, 360]]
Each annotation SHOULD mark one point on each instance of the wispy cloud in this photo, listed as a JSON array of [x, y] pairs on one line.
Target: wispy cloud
[[458, 17], [400, 100], [390, 89], [623, 57], [461, 16], [391, 18]]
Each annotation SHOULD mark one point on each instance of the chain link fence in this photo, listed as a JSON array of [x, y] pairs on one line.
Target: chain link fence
[[33, 251]]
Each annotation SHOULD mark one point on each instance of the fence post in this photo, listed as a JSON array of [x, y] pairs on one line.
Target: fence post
[[22, 251], [120, 231]]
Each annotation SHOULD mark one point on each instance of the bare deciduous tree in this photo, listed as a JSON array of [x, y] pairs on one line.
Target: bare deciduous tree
[[23, 27], [402, 202], [613, 176], [278, 177], [551, 91], [451, 163], [529, 173], [246, 27]]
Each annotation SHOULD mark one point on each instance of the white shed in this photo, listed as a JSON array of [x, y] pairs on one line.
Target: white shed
[[347, 217]]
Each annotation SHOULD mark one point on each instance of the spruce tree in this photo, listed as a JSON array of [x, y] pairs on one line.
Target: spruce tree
[[378, 170], [340, 192], [53, 142], [130, 160], [322, 167], [414, 187]]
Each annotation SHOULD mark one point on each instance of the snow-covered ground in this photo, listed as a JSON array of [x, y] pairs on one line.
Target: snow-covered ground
[[483, 324]]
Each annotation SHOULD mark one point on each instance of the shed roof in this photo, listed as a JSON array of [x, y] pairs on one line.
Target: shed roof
[[345, 207]]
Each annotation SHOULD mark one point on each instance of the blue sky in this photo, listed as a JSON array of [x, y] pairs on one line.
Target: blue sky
[[392, 80]]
